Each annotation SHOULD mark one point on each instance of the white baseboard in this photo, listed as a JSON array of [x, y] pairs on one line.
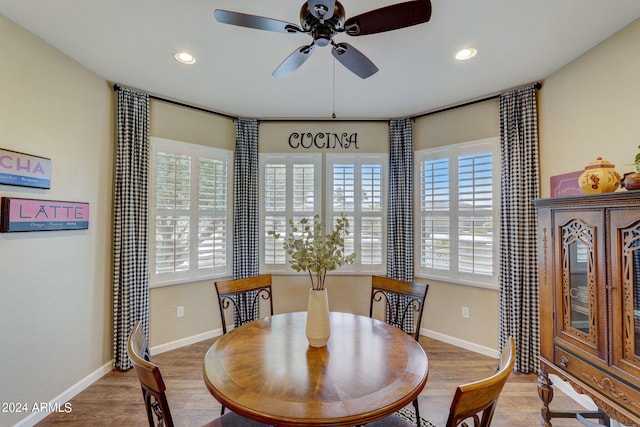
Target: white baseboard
[[67, 395], [64, 397], [185, 341], [491, 352]]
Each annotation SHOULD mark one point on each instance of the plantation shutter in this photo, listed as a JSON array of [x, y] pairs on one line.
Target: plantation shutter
[[290, 191], [475, 208], [173, 197], [212, 220], [435, 250], [356, 192], [275, 206], [371, 237]]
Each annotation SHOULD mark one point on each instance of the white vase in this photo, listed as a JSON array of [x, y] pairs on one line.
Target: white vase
[[318, 329]]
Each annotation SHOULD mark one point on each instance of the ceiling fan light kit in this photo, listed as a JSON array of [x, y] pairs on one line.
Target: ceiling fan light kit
[[323, 19]]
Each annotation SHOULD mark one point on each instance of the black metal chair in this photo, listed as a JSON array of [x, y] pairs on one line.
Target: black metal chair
[[242, 298], [403, 302], [403, 307]]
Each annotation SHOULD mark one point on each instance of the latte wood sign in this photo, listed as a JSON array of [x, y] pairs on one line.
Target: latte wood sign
[[42, 215]]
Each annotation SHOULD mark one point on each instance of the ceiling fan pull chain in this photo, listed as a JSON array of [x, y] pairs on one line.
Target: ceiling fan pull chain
[[333, 116]]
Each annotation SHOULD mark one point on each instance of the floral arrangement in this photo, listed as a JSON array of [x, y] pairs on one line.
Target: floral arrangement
[[312, 250]]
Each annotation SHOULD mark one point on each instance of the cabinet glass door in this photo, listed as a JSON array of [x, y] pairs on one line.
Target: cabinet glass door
[[625, 289], [631, 288], [578, 286], [578, 281], [635, 290]]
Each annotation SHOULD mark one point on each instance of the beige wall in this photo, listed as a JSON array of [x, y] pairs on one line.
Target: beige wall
[[470, 123], [590, 108], [55, 306]]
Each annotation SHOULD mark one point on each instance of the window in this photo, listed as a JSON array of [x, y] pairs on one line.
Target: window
[[356, 187], [458, 212], [291, 188], [190, 212]]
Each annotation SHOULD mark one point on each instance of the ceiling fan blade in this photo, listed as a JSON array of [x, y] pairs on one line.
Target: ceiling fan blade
[[322, 9], [389, 18], [253, 21], [354, 60], [294, 61]]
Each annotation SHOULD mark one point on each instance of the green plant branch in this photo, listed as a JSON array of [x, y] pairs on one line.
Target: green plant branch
[[311, 249]]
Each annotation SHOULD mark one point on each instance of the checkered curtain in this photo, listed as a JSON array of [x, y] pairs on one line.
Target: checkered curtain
[[246, 241], [130, 222], [400, 211], [518, 226]]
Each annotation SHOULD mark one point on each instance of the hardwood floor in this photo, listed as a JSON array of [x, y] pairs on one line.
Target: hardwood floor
[[116, 398]]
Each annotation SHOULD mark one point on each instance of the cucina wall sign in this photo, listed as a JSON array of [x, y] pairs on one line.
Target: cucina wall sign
[[324, 140]]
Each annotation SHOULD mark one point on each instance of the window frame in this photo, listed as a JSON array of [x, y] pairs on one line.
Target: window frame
[[358, 159], [290, 160], [452, 153], [196, 152]]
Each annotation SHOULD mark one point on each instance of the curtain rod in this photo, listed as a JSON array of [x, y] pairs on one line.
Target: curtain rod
[[181, 104], [328, 119], [178, 103], [536, 85]]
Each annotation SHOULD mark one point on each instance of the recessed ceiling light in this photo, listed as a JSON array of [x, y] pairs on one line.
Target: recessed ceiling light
[[185, 58], [466, 53]]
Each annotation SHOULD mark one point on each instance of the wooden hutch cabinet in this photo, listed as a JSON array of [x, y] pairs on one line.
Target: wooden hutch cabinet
[[589, 264]]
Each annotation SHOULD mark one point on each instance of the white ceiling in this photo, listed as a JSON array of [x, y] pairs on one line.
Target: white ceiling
[[132, 43]]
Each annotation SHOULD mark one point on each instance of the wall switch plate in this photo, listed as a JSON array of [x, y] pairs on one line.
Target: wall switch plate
[[180, 311]]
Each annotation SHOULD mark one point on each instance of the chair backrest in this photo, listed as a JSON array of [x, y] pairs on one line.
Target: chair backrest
[[477, 400], [403, 301], [242, 298], [153, 388]]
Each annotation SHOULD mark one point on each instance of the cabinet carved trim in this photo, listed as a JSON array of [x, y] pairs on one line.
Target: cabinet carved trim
[[612, 411], [545, 247], [607, 385], [596, 399]]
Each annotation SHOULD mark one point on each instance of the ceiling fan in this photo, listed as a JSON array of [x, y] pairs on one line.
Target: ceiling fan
[[323, 19]]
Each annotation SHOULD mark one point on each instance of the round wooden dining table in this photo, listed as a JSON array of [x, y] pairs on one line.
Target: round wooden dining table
[[266, 371]]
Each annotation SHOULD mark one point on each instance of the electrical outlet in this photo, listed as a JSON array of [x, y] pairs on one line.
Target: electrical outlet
[[180, 311], [465, 312]]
